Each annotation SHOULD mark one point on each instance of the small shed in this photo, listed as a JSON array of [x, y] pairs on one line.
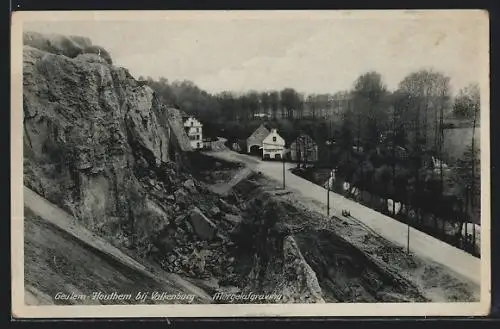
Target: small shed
[[254, 142], [304, 149]]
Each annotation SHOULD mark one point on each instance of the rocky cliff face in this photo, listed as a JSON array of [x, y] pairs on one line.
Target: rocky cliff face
[[98, 143]]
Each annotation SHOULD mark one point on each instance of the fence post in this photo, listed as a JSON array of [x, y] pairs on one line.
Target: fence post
[[328, 198]]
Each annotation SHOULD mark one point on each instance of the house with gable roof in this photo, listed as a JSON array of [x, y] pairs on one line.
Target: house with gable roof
[[254, 142], [273, 146], [194, 130]]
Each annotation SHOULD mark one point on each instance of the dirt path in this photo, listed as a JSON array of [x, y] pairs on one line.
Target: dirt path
[[421, 244], [242, 174], [223, 189], [219, 144], [52, 232]]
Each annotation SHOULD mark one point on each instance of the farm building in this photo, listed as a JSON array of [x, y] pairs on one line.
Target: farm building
[[254, 142], [273, 146], [304, 149], [194, 129]]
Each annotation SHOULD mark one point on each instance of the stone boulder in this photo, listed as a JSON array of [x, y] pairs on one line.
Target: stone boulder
[[302, 281], [190, 186], [215, 211], [227, 207], [202, 226], [233, 219], [181, 197]]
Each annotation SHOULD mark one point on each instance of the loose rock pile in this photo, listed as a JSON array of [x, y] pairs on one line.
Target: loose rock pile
[[196, 242]]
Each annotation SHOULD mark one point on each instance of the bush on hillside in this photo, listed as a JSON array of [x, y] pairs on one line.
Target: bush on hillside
[[98, 50], [70, 46]]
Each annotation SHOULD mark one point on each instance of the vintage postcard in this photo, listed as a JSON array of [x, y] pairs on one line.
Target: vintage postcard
[[250, 163]]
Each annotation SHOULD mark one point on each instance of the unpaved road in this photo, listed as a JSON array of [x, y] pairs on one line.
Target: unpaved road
[[421, 244], [63, 256], [238, 177]]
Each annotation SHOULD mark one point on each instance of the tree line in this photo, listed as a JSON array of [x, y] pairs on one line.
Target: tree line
[[291, 104], [390, 143], [243, 107]]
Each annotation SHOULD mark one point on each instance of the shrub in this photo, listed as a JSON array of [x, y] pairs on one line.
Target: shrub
[[98, 51]]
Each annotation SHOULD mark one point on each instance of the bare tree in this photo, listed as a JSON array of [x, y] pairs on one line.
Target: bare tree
[[274, 100], [476, 106], [429, 92], [312, 105], [289, 101], [253, 103], [466, 102], [265, 102], [368, 93]]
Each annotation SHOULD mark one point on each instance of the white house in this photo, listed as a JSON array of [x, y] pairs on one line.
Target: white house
[[273, 146], [261, 116], [194, 129]]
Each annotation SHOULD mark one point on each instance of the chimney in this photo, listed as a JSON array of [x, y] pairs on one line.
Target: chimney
[[274, 130]]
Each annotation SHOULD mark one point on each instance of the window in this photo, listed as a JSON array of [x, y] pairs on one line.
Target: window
[[197, 130], [274, 139], [198, 145], [192, 123]]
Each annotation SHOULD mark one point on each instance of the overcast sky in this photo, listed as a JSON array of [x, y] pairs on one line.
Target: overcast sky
[[311, 55]]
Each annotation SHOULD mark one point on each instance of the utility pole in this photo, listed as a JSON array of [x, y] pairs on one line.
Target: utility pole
[[298, 151], [394, 159], [417, 155], [283, 159], [408, 240], [441, 146], [330, 179], [304, 150], [328, 197]]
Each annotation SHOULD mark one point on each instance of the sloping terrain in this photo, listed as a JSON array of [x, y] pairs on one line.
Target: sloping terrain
[[63, 257], [314, 197], [336, 271], [350, 262]]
